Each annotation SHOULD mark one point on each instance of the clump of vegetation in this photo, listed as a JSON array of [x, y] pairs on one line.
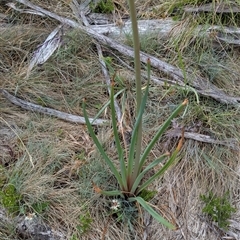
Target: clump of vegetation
[[132, 160], [10, 198], [83, 226], [2, 176], [84, 223], [218, 209], [40, 207], [123, 210], [147, 195], [60, 183], [104, 6]]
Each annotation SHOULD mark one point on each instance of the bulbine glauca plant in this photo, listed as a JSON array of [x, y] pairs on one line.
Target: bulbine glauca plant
[[133, 167]]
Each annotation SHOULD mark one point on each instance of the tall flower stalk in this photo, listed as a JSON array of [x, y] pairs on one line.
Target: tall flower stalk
[[137, 68]]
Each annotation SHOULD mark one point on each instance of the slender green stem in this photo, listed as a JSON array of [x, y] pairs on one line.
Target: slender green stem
[[136, 45], [137, 67]]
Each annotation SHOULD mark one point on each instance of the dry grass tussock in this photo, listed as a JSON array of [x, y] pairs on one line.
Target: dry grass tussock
[[65, 158]]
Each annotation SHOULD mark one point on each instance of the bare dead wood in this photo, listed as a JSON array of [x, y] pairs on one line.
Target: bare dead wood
[[46, 49], [200, 84], [99, 18], [231, 143], [162, 28], [221, 7], [49, 111], [229, 35]]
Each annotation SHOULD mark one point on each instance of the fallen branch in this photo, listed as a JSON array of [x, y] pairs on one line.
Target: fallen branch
[[221, 7], [199, 83], [231, 143], [164, 28], [49, 111]]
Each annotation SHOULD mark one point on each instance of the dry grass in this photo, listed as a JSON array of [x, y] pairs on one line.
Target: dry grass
[[64, 157]]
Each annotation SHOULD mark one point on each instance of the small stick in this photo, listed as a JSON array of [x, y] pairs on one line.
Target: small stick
[[100, 55]]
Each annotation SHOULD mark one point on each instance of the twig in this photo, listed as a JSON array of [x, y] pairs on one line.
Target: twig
[[199, 83], [49, 111], [100, 55]]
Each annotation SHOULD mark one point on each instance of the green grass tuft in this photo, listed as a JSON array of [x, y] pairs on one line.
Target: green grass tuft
[[218, 209]]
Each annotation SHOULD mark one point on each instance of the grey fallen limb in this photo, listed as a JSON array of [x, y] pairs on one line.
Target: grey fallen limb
[[49, 111], [231, 143]]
